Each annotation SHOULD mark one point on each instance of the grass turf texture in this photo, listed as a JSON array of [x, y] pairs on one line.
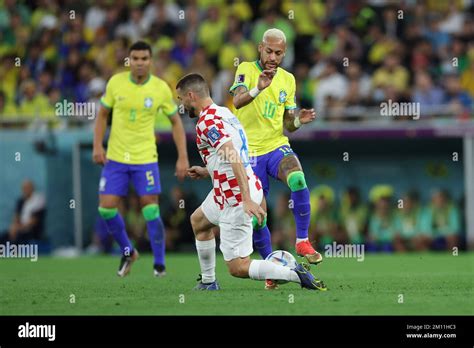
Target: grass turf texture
[[433, 284]]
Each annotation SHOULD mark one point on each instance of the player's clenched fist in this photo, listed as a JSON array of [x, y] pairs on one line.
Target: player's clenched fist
[[197, 172], [253, 209], [98, 155]]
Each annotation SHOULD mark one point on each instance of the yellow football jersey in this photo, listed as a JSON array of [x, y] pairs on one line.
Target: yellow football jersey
[[132, 137], [262, 119]]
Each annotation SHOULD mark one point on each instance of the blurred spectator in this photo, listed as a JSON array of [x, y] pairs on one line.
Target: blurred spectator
[[348, 45], [165, 67], [69, 74], [324, 228], [467, 78], [211, 31], [177, 222], [35, 62], [162, 17], [353, 213], [7, 109], [236, 47], [411, 235], [183, 49], [331, 84], [391, 74], [96, 15], [134, 29], [459, 102], [379, 46], [439, 39], [442, 220], [304, 86], [429, 96], [359, 85], [453, 21], [27, 223], [220, 88], [199, 64], [34, 104], [384, 223]]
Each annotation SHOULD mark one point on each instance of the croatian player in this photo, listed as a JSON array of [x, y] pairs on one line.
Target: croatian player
[[135, 97], [264, 96], [235, 197]]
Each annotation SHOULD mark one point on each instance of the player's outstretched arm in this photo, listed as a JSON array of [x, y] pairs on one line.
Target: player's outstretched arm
[[244, 97], [179, 137], [228, 153], [98, 152], [291, 122]]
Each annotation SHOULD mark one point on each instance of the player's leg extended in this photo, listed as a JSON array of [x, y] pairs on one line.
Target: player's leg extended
[[206, 249], [156, 232], [262, 239], [291, 172], [263, 269], [236, 247], [146, 180]]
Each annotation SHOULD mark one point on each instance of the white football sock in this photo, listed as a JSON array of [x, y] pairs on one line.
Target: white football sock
[[207, 259], [262, 269], [301, 240]]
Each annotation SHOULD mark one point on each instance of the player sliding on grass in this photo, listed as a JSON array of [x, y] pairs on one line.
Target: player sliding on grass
[[235, 197], [135, 97], [264, 96]]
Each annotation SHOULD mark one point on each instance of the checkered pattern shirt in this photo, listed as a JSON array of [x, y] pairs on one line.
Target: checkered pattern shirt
[[215, 127]]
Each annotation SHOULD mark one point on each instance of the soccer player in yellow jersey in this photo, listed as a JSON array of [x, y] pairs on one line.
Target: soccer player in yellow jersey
[[135, 97], [264, 96]]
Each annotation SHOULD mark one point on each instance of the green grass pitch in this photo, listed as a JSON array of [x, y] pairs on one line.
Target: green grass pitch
[[431, 283]]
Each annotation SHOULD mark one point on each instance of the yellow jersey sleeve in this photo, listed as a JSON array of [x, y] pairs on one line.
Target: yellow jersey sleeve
[[168, 107], [242, 77], [290, 102], [107, 99]]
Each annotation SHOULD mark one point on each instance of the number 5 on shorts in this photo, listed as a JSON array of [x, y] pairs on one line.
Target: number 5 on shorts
[[149, 177]]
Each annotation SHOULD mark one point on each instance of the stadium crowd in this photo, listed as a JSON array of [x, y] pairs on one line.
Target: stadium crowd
[[346, 55]]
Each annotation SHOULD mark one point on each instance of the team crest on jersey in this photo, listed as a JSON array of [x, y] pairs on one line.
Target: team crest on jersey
[[282, 97], [240, 78], [148, 102], [214, 135]]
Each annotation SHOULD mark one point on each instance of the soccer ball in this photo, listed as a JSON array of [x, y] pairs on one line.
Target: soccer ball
[[282, 258]]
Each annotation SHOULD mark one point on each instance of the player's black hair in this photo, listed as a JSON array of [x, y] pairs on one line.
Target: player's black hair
[[140, 46], [194, 82]]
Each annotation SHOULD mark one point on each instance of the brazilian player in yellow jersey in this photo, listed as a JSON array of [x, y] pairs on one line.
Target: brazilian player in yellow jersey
[[134, 97], [264, 96]]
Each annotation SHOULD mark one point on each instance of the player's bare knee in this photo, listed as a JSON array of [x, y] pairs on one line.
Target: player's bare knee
[[195, 217], [239, 267], [234, 268], [109, 201], [148, 199]]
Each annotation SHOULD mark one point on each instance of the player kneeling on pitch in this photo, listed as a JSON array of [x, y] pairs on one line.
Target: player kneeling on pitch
[[236, 195]]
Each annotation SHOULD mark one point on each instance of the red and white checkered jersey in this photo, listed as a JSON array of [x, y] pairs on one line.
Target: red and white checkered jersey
[[216, 126]]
